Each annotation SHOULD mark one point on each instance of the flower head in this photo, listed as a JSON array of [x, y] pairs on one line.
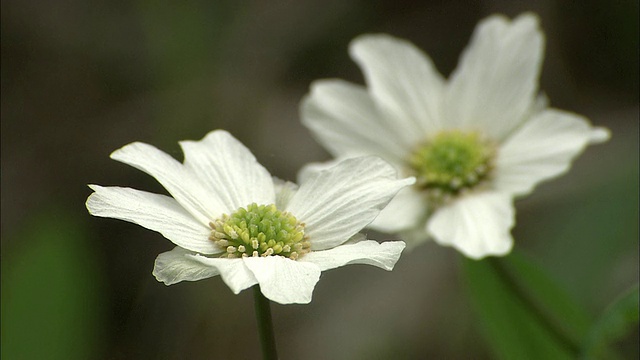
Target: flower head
[[229, 217], [473, 141]]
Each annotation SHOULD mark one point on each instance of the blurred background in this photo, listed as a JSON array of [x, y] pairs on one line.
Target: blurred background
[[81, 79]]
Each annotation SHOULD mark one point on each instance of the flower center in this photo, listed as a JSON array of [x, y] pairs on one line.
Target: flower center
[[260, 230], [451, 162]]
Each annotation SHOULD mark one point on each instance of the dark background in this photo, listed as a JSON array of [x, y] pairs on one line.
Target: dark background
[[81, 79]]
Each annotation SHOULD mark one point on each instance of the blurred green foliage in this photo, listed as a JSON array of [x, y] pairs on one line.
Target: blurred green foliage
[[526, 314], [51, 295], [617, 322], [587, 239]]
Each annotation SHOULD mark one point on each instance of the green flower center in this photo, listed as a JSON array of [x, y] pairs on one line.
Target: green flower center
[[451, 162], [260, 230]]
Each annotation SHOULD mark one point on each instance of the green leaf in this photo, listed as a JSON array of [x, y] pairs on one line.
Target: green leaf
[[524, 313], [616, 322], [50, 292]]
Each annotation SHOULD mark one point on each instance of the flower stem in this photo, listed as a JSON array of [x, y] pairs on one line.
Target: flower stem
[[265, 325]]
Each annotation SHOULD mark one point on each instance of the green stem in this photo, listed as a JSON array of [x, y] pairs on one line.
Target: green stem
[[265, 325], [511, 283]]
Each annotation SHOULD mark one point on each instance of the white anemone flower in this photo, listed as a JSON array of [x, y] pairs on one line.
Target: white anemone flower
[[229, 217], [474, 141]]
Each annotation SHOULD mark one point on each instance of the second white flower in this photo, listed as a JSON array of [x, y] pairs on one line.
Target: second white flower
[[473, 142]]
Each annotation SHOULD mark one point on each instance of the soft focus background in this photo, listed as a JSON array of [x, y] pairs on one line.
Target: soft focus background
[[81, 79]]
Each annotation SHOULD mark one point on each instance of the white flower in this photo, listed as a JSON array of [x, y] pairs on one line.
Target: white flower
[[474, 141], [228, 217]]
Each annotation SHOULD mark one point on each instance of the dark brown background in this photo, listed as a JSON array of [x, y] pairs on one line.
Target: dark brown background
[[80, 79]]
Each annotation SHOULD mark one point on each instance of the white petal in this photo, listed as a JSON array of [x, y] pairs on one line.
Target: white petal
[[153, 211], [403, 82], [496, 81], [541, 149], [174, 266], [233, 272], [228, 169], [477, 225], [284, 192], [338, 202], [383, 255], [356, 239], [540, 104], [179, 181], [407, 210], [599, 135], [312, 169], [283, 280], [344, 118]]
